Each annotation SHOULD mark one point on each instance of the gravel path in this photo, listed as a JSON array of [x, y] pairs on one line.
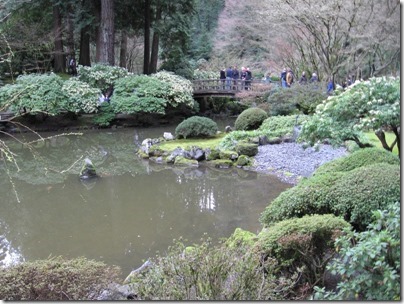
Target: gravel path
[[289, 161]]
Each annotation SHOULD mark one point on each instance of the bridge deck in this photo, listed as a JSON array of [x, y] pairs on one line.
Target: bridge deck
[[223, 87]]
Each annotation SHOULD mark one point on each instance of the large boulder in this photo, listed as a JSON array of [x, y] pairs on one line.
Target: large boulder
[[248, 149]]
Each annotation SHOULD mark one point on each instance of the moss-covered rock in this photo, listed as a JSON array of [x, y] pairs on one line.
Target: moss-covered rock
[[248, 149], [227, 154], [212, 154], [243, 160], [182, 161], [155, 151], [241, 237], [221, 163]]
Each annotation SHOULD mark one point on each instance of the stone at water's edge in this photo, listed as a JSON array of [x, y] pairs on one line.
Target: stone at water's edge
[[88, 170]]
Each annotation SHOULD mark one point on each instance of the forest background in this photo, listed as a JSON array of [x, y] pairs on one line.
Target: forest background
[[333, 38]]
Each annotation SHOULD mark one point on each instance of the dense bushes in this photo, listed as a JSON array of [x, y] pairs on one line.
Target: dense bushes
[[369, 262], [353, 195], [306, 243], [101, 76], [196, 126], [296, 99], [204, 272], [55, 279], [250, 119]]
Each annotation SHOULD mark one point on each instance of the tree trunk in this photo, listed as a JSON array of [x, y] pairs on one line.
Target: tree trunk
[[59, 62], [397, 131], [147, 22], [155, 45], [85, 46], [98, 37], [124, 49], [107, 54], [70, 49]]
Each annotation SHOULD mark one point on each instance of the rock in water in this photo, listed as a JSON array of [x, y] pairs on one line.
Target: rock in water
[[88, 170]]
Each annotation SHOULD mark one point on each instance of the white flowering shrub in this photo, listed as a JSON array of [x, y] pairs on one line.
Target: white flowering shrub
[[100, 75], [180, 89], [81, 97], [366, 105]]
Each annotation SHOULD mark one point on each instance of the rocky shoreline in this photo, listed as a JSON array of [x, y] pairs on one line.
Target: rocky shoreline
[[289, 161]]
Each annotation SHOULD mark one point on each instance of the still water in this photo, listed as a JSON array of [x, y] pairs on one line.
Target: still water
[[132, 211]]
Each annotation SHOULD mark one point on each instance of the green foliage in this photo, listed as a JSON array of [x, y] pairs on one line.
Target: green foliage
[[204, 272], [281, 126], [36, 93], [250, 119], [359, 158], [296, 99], [136, 94], [272, 127], [101, 76], [304, 244], [55, 279], [201, 74], [353, 195], [196, 126], [370, 104], [241, 237], [105, 115], [369, 261]]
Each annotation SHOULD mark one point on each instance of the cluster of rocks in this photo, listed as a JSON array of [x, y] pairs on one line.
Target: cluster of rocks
[[194, 155]]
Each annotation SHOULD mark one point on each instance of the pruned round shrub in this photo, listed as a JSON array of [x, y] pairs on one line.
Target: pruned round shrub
[[305, 243], [56, 279], [250, 119], [353, 195], [196, 126], [359, 158]]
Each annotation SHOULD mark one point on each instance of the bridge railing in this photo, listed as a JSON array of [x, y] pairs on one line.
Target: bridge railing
[[233, 85]]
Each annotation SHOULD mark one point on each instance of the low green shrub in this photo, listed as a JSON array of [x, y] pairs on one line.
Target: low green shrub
[[353, 195], [359, 158], [250, 119], [305, 244], [56, 279], [206, 272], [196, 126], [369, 262], [279, 126], [105, 115]]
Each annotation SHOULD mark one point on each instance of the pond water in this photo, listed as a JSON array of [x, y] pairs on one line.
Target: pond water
[[132, 211]]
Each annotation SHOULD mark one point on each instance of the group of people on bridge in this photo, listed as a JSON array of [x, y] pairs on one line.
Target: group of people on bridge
[[288, 77], [232, 76]]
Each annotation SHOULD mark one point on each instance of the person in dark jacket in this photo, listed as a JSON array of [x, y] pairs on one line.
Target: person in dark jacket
[[330, 86], [283, 78], [248, 79], [303, 78], [229, 77], [236, 77], [222, 77]]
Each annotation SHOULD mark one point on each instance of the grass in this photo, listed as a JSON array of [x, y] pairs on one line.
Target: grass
[[203, 143], [375, 141]]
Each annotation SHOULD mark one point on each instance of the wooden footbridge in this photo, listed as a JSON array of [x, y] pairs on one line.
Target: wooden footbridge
[[226, 88]]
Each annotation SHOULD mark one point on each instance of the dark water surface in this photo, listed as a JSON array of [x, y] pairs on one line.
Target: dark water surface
[[133, 210]]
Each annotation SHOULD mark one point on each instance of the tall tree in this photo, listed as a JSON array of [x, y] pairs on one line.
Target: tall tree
[[59, 62], [107, 28], [147, 23]]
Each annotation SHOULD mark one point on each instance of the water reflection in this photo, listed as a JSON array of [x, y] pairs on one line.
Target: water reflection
[[133, 210]]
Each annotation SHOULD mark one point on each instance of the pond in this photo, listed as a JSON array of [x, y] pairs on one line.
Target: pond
[[132, 211]]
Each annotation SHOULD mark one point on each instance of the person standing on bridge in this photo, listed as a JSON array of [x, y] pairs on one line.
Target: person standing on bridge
[[222, 77], [248, 79], [243, 77], [236, 77], [229, 77]]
